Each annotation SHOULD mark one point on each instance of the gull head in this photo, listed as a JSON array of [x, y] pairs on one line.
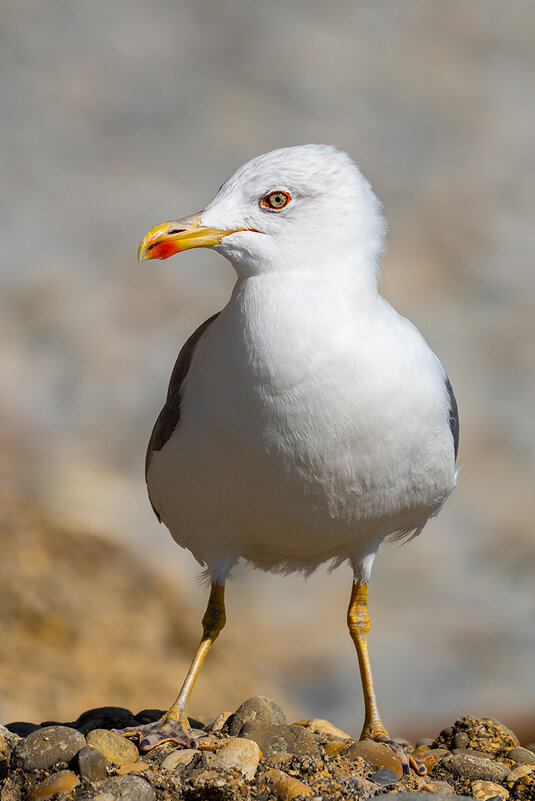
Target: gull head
[[305, 207]]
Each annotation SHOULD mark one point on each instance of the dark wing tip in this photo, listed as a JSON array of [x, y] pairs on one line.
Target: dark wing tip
[[454, 416]]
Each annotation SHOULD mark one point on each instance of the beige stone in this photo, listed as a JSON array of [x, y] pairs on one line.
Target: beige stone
[[320, 726], [285, 787], [377, 754], [62, 782], [242, 754], [482, 790], [182, 757], [132, 767]]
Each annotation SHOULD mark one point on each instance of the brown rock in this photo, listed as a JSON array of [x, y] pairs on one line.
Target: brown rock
[[518, 773], [257, 709], [46, 747], [377, 754], [181, 757], [91, 764], [62, 782], [272, 738], [123, 788], [481, 790], [285, 787]]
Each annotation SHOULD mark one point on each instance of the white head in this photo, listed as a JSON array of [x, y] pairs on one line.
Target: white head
[[296, 208]]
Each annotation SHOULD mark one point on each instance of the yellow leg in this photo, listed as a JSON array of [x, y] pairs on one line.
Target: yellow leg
[[358, 621], [174, 725]]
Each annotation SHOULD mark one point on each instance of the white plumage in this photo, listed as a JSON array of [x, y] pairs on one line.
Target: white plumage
[[314, 420]]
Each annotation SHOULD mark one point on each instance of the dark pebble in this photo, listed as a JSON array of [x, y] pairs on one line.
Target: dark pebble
[[90, 764], [46, 747], [384, 776], [22, 728], [104, 717], [258, 708], [460, 740], [470, 767]]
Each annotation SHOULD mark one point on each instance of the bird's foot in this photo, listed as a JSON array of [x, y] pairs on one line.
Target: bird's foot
[[408, 761], [166, 729]]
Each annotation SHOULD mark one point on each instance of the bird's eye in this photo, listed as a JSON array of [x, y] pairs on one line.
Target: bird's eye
[[276, 200]]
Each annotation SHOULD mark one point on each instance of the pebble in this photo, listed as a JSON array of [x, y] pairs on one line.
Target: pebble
[[523, 756], [217, 723], [122, 788], [384, 776], [460, 740], [518, 773], [182, 757], [43, 748], [409, 796], [378, 755], [425, 742], [320, 726], [62, 782], [470, 767], [91, 764], [104, 717], [482, 790], [114, 747], [272, 737], [285, 787], [433, 757], [132, 767], [258, 708], [335, 747], [242, 754]]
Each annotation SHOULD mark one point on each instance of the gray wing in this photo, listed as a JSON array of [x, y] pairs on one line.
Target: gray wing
[[454, 417], [169, 417]]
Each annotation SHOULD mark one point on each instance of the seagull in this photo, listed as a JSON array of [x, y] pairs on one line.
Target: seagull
[[307, 421]]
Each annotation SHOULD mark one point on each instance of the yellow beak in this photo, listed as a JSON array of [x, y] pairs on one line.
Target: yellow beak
[[173, 237]]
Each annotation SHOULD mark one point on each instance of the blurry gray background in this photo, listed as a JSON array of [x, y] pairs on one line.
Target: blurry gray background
[[116, 116]]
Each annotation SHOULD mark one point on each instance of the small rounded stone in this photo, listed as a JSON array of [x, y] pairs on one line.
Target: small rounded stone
[[114, 747], [323, 727], [62, 782], [470, 767], [523, 756], [378, 755], [384, 776], [124, 788], [242, 754], [132, 767], [482, 790], [258, 708], [182, 757], [285, 787], [460, 740], [43, 748], [518, 773], [91, 764]]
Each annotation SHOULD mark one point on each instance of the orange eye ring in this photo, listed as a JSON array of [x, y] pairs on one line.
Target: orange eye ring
[[276, 200]]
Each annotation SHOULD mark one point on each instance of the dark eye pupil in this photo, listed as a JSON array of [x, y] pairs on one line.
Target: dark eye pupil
[[277, 200]]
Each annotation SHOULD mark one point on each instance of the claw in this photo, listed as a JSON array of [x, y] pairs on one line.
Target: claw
[[408, 761], [151, 735]]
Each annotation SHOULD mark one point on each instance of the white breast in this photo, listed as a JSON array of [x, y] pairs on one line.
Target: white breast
[[309, 430]]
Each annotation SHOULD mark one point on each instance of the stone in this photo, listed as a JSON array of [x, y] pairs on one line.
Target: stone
[[258, 708], [285, 787], [4, 766], [470, 767], [518, 773], [122, 788], [433, 757], [482, 790], [132, 767], [378, 755], [62, 782], [324, 728], [440, 788], [242, 754], [181, 757], [113, 746], [523, 756], [43, 748], [272, 737], [91, 764], [460, 740], [409, 796], [217, 723], [104, 717], [384, 776], [334, 747], [425, 742], [22, 728]]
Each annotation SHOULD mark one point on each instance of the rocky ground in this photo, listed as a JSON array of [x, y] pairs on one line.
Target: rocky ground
[[255, 754]]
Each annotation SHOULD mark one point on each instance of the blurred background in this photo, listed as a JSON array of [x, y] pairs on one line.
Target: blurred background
[[116, 116]]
